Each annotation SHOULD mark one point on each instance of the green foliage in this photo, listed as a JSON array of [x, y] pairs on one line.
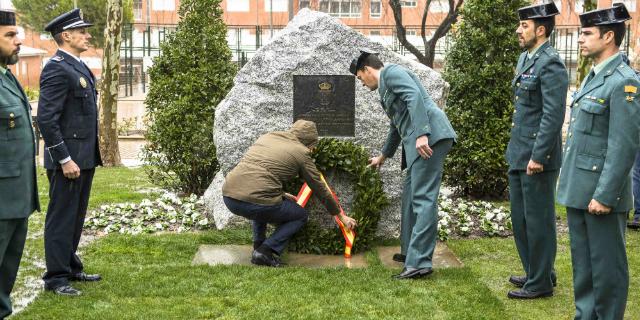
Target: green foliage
[[480, 67], [32, 94], [36, 15], [191, 76], [368, 202]]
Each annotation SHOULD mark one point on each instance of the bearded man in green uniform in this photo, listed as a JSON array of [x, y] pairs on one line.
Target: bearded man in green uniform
[[595, 184], [534, 152], [18, 192]]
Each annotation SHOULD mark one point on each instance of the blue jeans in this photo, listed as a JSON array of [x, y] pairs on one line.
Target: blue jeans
[[288, 216], [636, 188]]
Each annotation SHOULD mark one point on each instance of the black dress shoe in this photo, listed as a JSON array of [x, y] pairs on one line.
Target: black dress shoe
[[261, 259], [413, 273], [85, 277], [526, 294], [65, 290], [399, 257], [634, 225], [519, 281]]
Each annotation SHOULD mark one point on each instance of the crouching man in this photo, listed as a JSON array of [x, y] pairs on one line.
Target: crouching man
[[254, 188]]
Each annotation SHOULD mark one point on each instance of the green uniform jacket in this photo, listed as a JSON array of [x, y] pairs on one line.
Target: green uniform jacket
[[540, 89], [602, 141], [18, 191], [412, 113]]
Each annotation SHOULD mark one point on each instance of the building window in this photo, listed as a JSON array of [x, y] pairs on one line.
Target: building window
[[163, 5], [276, 5], [630, 4], [375, 33], [411, 33], [305, 4], [579, 7], [376, 9], [342, 8], [409, 4], [238, 6], [137, 9], [439, 6]]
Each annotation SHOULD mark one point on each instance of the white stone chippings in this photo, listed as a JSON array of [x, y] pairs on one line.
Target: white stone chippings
[[262, 101]]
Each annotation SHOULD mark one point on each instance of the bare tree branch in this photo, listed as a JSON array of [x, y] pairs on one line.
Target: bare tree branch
[[427, 57]]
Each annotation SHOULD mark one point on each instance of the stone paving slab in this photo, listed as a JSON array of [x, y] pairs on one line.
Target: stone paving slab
[[443, 257], [241, 254]]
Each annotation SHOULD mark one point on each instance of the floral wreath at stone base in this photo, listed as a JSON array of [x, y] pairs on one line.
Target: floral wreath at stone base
[[369, 200]]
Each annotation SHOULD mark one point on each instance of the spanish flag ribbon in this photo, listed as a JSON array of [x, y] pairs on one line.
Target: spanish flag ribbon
[[348, 234]]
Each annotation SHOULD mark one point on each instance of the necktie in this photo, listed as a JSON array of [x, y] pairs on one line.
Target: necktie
[[591, 75]]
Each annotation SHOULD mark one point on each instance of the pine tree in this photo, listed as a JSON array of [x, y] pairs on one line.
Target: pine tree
[[191, 76]]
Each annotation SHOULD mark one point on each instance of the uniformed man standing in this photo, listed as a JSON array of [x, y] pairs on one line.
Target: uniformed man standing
[[67, 116], [534, 152], [427, 136], [18, 191], [595, 183]]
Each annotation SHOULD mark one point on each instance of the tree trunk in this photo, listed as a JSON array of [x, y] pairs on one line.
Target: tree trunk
[[584, 64], [109, 85]]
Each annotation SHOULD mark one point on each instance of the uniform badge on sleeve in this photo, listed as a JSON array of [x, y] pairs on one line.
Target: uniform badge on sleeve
[[83, 82], [630, 90]]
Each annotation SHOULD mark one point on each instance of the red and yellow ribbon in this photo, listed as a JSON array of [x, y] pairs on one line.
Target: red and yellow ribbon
[[349, 234]]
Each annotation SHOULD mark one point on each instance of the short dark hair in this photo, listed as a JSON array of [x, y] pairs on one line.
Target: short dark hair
[[619, 31], [372, 61], [58, 38], [548, 23]]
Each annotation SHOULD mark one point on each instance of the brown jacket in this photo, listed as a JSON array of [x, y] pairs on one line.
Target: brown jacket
[[274, 159]]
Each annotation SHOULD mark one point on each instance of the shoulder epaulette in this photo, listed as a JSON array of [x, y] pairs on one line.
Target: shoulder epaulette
[[551, 51], [57, 58], [626, 70]]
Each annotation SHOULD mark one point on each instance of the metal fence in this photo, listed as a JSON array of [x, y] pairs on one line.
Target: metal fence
[[141, 42]]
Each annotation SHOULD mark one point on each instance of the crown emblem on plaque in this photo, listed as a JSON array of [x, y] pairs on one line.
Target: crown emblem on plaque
[[325, 86]]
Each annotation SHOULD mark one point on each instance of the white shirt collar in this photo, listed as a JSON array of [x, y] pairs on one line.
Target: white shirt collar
[[69, 53]]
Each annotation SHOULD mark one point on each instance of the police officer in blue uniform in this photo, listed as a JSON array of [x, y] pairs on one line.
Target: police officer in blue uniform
[[18, 190], [67, 117], [534, 152], [595, 182]]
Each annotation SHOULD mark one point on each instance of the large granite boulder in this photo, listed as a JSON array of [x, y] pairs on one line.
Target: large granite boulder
[[261, 100]]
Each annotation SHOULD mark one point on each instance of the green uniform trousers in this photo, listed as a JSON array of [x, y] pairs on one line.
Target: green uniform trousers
[[13, 233], [533, 216], [599, 260], [424, 178]]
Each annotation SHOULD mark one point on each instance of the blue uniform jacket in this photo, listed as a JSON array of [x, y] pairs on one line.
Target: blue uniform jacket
[[68, 113]]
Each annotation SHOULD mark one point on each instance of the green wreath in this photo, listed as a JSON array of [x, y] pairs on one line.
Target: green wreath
[[369, 200]]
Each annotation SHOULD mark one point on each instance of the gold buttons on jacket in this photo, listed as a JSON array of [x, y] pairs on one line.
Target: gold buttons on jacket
[[11, 115], [518, 84], [595, 168], [12, 124], [513, 124]]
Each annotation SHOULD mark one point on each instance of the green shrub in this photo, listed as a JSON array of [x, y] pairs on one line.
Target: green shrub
[[369, 200], [191, 76], [479, 68], [32, 94]]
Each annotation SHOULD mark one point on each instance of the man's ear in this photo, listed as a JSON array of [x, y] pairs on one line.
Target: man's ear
[[609, 36]]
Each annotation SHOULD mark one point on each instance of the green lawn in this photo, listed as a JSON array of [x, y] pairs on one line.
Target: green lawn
[[151, 277]]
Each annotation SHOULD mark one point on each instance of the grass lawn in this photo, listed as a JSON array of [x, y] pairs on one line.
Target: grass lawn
[[151, 277], [109, 185]]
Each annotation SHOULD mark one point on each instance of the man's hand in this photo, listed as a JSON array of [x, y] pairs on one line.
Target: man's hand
[[376, 162], [348, 222], [291, 197], [422, 146], [70, 170], [598, 208], [534, 167]]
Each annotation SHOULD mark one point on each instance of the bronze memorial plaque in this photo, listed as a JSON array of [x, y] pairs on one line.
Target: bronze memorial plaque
[[327, 100]]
